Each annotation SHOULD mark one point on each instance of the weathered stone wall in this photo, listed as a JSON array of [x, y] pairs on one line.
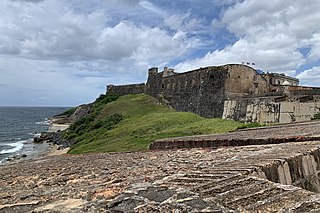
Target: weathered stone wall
[[280, 79], [127, 89], [204, 90], [231, 91], [302, 171], [271, 109], [155, 82], [201, 91], [244, 80], [299, 91], [264, 110]]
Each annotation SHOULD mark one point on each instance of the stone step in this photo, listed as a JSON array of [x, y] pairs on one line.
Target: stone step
[[249, 199], [198, 182], [235, 191], [234, 185], [282, 201], [309, 204], [211, 176], [215, 183]]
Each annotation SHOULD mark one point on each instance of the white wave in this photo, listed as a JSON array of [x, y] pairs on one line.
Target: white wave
[[45, 122], [16, 147], [34, 134]]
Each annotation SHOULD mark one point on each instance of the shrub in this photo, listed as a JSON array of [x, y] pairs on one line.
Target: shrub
[[67, 113], [109, 123], [316, 116], [90, 122]]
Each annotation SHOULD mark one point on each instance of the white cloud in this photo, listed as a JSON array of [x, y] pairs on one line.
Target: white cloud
[[81, 36], [314, 43], [77, 49], [184, 22], [310, 77], [266, 58], [153, 8], [270, 33]]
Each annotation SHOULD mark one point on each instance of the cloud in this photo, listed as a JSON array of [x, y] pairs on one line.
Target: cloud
[[74, 48], [314, 43], [27, 80], [310, 77], [82, 36], [269, 33], [32, 1], [152, 7]]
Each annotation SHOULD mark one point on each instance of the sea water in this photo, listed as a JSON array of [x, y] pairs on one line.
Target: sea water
[[19, 125]]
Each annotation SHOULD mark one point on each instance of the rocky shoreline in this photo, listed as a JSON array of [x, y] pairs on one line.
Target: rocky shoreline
[[43, 144], [54, 138]]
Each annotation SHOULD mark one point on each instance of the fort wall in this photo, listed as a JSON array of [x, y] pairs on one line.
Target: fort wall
[[230, 91], [244, 80], [200, 91], [271, 109], [126, 89]]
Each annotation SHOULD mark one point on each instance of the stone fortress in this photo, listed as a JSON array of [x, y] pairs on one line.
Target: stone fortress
[[232, 91]]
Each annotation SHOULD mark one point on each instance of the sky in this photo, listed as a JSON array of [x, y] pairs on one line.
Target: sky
[[65, 52]]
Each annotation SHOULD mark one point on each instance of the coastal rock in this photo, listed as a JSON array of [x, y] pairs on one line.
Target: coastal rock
[[54, 138], [44, 136], [79, 112]]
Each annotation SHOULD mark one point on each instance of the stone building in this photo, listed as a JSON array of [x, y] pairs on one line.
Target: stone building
[[232, 91]]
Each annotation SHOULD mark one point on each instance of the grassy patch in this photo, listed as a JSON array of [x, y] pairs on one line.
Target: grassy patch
[[251, 125], [136, 121]]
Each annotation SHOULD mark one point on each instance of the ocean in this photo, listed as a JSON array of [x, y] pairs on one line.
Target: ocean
[[18, 127]]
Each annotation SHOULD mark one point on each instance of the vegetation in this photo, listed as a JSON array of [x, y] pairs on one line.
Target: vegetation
[[251, 125], [132, 122], [67, 113], [316, 116], [90, 122]]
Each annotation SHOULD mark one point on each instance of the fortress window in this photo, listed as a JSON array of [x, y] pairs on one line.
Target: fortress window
[[211, 77], [162, 86], [238, 76], [256, 85]]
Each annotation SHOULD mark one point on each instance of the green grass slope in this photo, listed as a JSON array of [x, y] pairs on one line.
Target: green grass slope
[[132, 122]]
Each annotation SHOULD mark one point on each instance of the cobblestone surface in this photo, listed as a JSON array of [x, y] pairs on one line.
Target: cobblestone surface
[[189, 180]]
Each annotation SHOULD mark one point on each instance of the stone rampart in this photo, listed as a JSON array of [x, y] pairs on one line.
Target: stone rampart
[[274, 109], [201, 92], [127, 89], [231, 91]]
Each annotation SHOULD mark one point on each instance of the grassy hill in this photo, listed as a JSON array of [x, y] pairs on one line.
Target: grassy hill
[[132, 122]]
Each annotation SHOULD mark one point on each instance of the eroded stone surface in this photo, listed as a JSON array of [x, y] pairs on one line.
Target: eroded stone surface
[[296, 132], [225, 179]]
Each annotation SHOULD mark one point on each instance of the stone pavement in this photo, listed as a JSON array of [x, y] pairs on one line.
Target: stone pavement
[[296, 132], [256, 178]]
